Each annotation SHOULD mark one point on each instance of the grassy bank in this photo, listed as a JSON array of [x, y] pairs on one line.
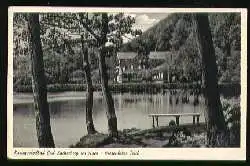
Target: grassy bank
[[169, 136]]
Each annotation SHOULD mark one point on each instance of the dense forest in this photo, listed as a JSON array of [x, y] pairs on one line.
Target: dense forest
[[176, 33]]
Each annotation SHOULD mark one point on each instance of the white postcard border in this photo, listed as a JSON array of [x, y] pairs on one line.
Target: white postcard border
[[128, 153]]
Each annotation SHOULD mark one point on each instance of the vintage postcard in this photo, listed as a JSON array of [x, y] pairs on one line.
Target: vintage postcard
[[127, 83]]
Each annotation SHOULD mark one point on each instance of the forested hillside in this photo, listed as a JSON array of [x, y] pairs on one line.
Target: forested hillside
[[177, 33]]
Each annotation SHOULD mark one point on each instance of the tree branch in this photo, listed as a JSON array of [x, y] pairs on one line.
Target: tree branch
[[128, 37], [88, 28], [74, 28], [56, 25]]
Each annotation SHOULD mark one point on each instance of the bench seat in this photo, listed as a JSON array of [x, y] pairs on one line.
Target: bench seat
[[177, 116]]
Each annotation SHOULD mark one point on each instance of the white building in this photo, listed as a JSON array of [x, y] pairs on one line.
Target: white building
[[130, 64]]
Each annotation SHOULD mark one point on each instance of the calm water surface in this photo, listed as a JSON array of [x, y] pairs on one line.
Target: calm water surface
[[68, 117]]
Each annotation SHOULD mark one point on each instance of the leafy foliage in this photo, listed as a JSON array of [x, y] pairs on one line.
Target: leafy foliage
[[176, 33], [62, 35], [232, 115]]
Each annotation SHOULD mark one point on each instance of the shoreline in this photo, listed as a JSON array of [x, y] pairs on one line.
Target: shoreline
[[27, 98]]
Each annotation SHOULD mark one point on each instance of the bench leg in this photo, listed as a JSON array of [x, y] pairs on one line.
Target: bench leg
[[198, 118], [157, 123], [153, 122], [193, 120], [177, 120]]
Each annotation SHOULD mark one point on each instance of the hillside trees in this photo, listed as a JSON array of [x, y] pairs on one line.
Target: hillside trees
[[176, 33], [183, 43], [226, 36]]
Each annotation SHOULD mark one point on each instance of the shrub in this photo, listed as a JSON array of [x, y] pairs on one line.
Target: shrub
[[172, 123], [232, 117], [230, 89], [23, 88]]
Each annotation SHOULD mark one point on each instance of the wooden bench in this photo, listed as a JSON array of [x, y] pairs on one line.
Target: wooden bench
[[177, 117]]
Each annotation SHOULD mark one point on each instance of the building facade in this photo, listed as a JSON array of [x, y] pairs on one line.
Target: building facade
[[133, 67]]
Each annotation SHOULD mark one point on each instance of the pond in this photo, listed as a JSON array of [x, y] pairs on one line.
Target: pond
[[68, 116]]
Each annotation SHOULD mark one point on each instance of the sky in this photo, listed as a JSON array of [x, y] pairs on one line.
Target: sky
[[144, 21]]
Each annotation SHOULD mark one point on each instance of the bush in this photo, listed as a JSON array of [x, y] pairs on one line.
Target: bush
[[172, 123], [23, 88], [53, 88], [230, 89], [232, 117]]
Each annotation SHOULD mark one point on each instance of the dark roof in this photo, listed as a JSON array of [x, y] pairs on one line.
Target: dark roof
[[162, 67], [126, 55], [77, 73], [152, 55], [159, 54]]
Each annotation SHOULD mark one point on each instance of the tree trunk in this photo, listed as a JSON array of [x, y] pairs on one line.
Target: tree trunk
[[89, 95], [58, 76], [227, 52], [215, 118], [39, 85], [110, 112]]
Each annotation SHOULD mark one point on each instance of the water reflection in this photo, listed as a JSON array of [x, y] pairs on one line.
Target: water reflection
[[68, 117]]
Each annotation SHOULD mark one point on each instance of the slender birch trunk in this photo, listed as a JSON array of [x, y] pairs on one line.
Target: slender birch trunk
[[89, 95], [110, 112]]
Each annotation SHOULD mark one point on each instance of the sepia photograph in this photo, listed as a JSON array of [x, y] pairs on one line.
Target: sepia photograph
[[118, 78]]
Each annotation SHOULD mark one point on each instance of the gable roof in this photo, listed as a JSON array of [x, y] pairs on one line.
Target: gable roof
[[159, 54], [126, 55]]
